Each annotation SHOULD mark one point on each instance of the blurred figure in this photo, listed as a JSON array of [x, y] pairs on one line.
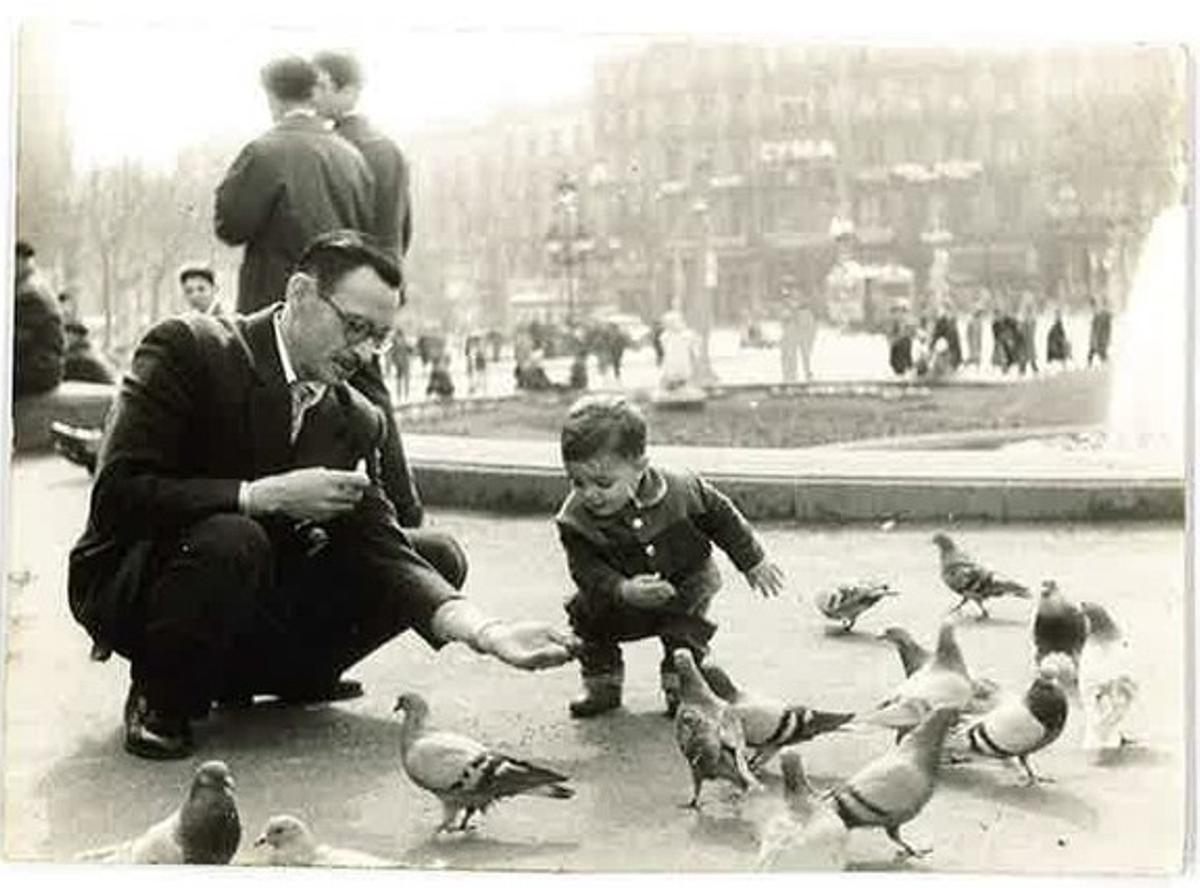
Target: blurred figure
[[198, 284], [1101, 331], [945, 329], [975, 336], [82, 362], [656, 335], [401, 358], [900, 339], [39, 346], [475, 355], [679, 353], [1058, 347], [440, 384], [339, 86], [297, 180], [1028, 332]]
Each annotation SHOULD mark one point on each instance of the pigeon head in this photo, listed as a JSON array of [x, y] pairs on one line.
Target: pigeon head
[[692, 685], [796, 787], [283, 830], [213, 775], [826, 601], [411, 704], [927, 737], [1058, 668], [949, 654], [897, 636], [1049, 588], [720, 682], [943, 542], [1100, 623]]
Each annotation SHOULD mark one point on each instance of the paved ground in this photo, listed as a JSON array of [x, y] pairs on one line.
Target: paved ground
[[69, 787]]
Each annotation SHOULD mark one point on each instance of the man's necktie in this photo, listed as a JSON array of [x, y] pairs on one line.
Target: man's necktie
[[304, 395]]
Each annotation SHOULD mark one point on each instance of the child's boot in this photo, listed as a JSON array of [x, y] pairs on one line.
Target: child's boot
[[601, 693]]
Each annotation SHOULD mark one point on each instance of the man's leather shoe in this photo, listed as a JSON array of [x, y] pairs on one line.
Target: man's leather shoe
[[152, 734], [321, 692]]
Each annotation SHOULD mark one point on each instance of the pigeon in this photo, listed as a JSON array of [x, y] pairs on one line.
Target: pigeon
[[289, 842], [892, 789], [769, 725], [809, 834], [943, 681], [1106, 684], [848, 602], [709, 732], [912, 655], [1059, 626], [463, 773], [1019, 725], [204, 829], [971, 581]]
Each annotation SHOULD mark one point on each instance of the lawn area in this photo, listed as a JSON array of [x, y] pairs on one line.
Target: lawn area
[[758, 419]]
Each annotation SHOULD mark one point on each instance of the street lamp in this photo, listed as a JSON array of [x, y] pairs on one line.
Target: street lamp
[[706, 287], [567, 243]]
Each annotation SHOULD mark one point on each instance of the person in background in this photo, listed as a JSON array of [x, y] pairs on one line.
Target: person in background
[[401, 356], [1058, 347], [296, 181], [440, 384], [1027, 324], [975, 335], [39, 343], [198, 284], [1101, 331]]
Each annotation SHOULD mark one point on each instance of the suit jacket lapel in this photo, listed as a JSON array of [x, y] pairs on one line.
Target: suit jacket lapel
[[270, 403]]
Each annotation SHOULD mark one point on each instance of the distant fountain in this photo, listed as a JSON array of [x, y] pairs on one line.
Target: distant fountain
[[1147, 403]]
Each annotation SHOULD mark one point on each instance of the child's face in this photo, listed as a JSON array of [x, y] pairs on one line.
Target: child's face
[[606, 482]]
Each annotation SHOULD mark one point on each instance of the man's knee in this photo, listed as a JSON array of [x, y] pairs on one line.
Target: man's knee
[[236, 540], [442, 551]]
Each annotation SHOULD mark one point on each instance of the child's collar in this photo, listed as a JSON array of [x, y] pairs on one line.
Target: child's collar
[[650, 490]]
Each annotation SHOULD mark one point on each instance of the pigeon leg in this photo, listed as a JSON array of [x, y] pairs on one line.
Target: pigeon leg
[[466, 819], [957, 607], [697, 782], [1032, 778], [893, 833], [847, 625], [449, 812], [983, 611]]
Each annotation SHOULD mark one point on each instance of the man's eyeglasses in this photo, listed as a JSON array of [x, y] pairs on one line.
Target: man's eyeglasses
[[358, 329]]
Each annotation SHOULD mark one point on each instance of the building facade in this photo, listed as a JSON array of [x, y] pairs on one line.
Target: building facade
[[719, 169]]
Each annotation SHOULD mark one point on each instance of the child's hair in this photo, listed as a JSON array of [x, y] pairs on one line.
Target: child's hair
[[598, 424]]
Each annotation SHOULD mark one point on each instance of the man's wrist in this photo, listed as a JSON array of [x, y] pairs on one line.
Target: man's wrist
[[459, 620]]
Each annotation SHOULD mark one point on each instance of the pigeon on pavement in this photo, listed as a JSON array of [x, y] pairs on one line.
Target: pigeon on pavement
[[1107, 687], [1059, 626], [943, 681], [892, 789], [848, 602], [289, 842], [809, 835], [970, 580], [769, 725], [1019, 725], [709, 732], [204, 829], [463, 773]]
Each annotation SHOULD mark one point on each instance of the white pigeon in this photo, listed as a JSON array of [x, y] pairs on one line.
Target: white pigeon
[[769, 724], [943, 681], [1107, 687], [463, 773], [289, 842], [204, 829], [809, 835]]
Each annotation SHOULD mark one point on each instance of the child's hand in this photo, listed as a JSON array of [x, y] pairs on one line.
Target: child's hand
[[646, 590], [766, 577]]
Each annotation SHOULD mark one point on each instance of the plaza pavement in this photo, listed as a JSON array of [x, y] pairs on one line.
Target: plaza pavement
[[68, 786]]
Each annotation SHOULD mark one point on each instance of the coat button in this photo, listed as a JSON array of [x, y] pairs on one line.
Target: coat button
[[650, 549], [637, 523]]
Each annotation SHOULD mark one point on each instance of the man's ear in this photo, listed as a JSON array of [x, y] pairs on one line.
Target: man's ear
[[300, 285]]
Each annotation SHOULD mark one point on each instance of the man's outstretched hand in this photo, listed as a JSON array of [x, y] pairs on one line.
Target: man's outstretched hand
[[529, 644]]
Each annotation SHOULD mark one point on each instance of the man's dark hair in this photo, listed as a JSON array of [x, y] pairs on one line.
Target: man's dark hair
[[290, 79], [331, 256], [599, 424], [342, 67], [198, 270], [25, 250]]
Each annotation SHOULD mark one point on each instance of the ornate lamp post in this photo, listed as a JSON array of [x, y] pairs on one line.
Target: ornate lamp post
[[568, 243]]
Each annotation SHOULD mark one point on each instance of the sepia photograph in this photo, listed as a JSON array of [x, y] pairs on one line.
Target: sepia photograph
[[522, 449]]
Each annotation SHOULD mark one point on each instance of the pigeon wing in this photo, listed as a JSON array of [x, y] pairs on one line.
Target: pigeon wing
[[159, 844], [439, 761]]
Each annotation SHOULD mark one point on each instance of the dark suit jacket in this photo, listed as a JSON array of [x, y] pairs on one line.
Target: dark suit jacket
[[296, 181], [204, 407], [393, 205]]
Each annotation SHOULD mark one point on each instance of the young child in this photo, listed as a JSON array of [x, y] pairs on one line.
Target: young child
[[639, 546]]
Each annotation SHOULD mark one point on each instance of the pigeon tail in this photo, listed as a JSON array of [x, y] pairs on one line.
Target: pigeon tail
[[1100, 623]]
